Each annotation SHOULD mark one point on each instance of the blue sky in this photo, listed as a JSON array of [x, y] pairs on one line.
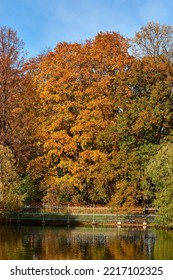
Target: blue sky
[[44, 23]]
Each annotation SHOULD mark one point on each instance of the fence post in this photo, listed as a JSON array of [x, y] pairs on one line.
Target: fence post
[[93, 221], [68, 218], [18, 218], [43, 218]]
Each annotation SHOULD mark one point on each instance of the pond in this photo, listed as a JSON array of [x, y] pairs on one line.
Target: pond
[[84, 243]]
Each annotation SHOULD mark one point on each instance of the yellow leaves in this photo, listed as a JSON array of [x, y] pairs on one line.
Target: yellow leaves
[[60, 143], [59, 190], [39, 167], [92, 120], [94, 156], [127, 196], [82, 88], [89, 168], [145, 120]]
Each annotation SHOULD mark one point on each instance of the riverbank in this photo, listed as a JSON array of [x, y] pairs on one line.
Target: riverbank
[[100, 219]]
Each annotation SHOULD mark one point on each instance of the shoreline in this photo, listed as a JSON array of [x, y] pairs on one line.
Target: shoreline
[[57, 219]]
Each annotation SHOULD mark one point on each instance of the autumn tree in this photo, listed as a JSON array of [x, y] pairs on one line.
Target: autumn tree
[[154, 40], [101, 117], [18, 105], [82, 90], [141, 127], [85, 122], [25, 122], [18, 101], [146, 118], [11, 60]]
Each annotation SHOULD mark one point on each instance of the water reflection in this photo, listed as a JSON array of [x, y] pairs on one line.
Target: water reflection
[[44, 243]]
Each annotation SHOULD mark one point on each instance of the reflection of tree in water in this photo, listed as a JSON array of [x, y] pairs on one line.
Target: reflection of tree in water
[[133, 244], [90, 243], [32, 239], [88, 238], [114, 244], [65, 243], [164, 245], [17, 242], [28, 242], [11, 245], [149, 240]]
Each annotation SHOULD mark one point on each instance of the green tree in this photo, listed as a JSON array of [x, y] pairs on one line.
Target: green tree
[[29, 190], [9, 180], [159, 183]]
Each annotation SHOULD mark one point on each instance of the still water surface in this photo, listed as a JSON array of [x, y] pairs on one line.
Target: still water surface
[[79, 243]]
